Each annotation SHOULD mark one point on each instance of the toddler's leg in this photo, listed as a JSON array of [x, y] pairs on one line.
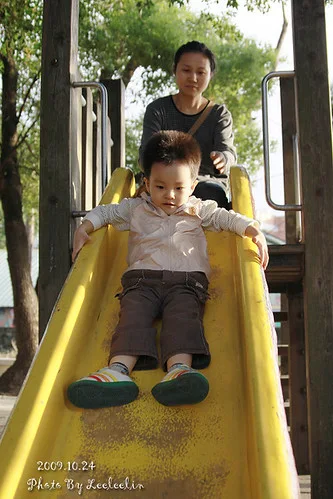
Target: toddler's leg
[[182, 384], [108, 387]]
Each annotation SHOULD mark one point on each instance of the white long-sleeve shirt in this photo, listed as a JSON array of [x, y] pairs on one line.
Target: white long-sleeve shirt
[[176, 242]]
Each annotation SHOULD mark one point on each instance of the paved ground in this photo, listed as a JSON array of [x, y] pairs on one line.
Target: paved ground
[[7, 404], [305, 486]]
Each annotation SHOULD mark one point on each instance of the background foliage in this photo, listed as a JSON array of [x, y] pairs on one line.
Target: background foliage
[[20, 39]]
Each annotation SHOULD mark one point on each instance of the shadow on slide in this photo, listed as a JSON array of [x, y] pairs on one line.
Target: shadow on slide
[[234, 445]]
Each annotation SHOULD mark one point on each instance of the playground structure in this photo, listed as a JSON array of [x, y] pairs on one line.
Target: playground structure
[[300, 270]]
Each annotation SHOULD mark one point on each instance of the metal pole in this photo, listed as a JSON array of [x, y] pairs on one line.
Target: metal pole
[[297, 183], [264, 87]]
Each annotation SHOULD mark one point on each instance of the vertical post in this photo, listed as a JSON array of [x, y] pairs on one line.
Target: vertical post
[[297, 376], [116, 112], [315, 141], [288, 115], [60, 109]]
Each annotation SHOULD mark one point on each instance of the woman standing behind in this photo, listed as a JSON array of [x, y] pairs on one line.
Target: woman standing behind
[[194, 66]]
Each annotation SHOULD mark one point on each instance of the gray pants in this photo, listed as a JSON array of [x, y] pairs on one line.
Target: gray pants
[[179, 299]]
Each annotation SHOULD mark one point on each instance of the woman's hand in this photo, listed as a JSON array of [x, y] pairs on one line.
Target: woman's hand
[[259, 239], [219, 161], [81, 237]]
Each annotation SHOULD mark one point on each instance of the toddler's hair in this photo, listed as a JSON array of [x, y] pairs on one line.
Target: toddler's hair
[[168, 146]]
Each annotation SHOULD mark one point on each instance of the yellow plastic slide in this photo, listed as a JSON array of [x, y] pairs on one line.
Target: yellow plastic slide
[[234, 445]]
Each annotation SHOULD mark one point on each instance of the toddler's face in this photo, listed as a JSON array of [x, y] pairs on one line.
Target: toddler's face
[[170, 186]]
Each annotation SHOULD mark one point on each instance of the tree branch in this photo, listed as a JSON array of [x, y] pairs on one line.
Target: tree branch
[[282, 35], [21, 138], [129, 71], [32, 153], [35, 78]]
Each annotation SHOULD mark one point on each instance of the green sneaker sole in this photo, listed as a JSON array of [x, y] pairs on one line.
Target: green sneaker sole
[[190, 388], [96, 395]]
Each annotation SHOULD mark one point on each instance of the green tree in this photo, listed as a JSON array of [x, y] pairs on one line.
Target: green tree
[[20, 26], [251, 5]]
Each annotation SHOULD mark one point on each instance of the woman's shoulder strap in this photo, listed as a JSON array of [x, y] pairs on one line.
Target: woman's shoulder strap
[[201, 118]]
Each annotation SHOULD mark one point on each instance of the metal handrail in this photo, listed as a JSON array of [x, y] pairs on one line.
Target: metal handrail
[[264, 88], [297, 184], [104, 113]]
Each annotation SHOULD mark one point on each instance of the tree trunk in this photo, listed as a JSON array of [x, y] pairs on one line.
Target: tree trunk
[[129, 71], [25, 298], [282, 36], [30, 226]]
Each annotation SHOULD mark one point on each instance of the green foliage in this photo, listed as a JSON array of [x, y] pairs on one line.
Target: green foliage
[[20, 41], [20, 28], [29, 171], [261, 5], [133, 138], [237, 82], [251, 5], [130, 35]]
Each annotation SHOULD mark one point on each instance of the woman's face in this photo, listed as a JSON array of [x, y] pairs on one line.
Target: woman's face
[[193, 74]]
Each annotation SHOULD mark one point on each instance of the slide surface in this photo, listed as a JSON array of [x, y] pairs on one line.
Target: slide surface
[[234, 445]]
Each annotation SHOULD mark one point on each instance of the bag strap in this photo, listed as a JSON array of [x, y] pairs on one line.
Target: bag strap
[[201, 118]]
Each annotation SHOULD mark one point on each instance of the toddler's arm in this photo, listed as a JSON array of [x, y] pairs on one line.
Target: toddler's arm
[[118, 215], [81, 237], [216, 219]]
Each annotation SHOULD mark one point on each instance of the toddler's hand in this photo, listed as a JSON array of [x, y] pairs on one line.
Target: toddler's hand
[[219, 160], [81, 237], [259, 239]]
